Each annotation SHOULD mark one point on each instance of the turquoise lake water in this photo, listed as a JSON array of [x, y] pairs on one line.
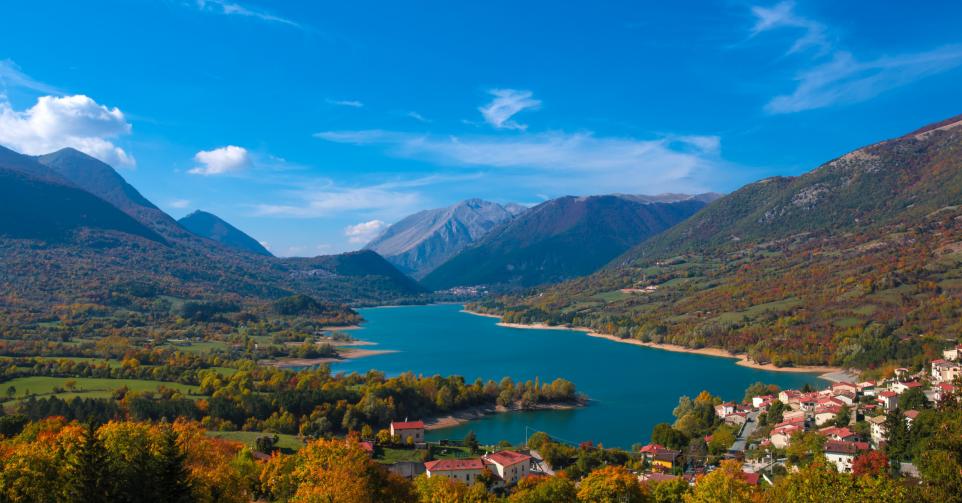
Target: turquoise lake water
[[631, 388]]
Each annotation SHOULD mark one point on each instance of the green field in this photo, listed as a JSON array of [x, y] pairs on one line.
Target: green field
[[287, 443], [89, 387]]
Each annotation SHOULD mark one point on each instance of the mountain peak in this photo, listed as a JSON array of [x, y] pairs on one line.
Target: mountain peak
[[212, 227]]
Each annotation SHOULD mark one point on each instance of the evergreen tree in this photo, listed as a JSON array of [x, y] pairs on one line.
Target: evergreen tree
[[88, 476], [173, 483], [897, 438]]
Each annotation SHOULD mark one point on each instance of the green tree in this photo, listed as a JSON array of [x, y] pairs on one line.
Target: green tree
[[172, 475], [471, 441], [913, 399], [843, 417], [667, 436], [897, 438], [88, 477]]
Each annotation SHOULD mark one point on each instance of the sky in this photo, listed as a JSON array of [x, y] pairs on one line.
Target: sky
[[314, 125]]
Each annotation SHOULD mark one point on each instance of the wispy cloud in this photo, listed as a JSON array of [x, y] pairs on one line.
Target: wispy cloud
[[235, 9], [346, 103], [221, 161], [506, 104], [845, 80], [573, 162], [418, 117], [66, 121], [11, 76], [364, 232], [835, 76], [179, 203], [783, 15], [331, 199]]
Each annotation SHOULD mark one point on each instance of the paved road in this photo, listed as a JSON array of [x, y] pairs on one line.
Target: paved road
[[540, 464], [742, 441]]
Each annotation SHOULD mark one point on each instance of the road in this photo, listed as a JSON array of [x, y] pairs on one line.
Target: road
[[741, 443]]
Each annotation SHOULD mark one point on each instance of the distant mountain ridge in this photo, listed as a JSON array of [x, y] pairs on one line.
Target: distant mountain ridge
[[563, 238], [420, 242], [211, 226]]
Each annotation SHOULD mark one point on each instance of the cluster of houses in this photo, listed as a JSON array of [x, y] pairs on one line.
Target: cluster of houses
[[507, 467], [870, 400]]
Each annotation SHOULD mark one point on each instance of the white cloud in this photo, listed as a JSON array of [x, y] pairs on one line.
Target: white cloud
[[66, 121], [11, 76], [179, 203], [346, 103], [572, 162], [220, 161], [235, 9], [783, 15], [331, 200], [505, 105], [418, 117], [364, 232], [845, 80]]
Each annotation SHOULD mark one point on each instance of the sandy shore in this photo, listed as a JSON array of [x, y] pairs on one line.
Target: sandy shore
[[473, 413], [827, 372], [347, 354], [335, 329]]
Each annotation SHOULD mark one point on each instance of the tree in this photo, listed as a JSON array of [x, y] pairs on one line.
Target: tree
[[471, 441], [669, 491], [11, 392], [805, 447], [843, 417], [88, 476], [872, 464], [913, 399], [727, 483], [171, 470], [266, 443], [897, 438], [536, 489], [667, 436], [721, 439], [611, 484]]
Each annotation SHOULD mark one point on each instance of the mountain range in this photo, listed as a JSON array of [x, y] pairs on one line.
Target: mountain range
[[563, 238], [855, 263], [73, 231], [420, 242], [212, 227]]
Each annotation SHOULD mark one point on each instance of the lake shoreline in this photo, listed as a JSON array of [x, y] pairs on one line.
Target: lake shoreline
[[345, 355], [481, 411], [826, 372]]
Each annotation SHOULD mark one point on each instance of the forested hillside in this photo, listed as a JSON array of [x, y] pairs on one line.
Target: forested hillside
[[858, 263]]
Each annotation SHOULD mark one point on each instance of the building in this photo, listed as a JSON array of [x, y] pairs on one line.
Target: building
[[843, 454], [465, 470], [761, 401], [866, 388], [826, 413], [945, 371], [878, 429], [952, 354], [888, 400], [408, 429], [781, 435], [665, 460], [722, 410], [839, 434], [910, 416], [509, 466]]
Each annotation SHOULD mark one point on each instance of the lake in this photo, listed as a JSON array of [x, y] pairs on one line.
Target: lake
[[632, 388]]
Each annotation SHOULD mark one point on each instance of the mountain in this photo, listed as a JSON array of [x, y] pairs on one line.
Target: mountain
[[419, 243], [562, 238], [101, 180], [855, 263], [211, 226], [48, 208], [61, 245]]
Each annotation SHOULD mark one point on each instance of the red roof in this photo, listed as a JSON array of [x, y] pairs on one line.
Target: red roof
[[407, 425], [845, 447], [888, 394], [751, 478], [911, 414], [507, 458], [913, 384], [448, 465], [652, 448]]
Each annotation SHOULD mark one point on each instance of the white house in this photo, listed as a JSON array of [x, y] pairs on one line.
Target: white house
[[952, 354], [945, 371], [510, 466], [843, 454], [408, 429], [781, 436], [888, 400], [722, 410], [465, 470], [878, 429]]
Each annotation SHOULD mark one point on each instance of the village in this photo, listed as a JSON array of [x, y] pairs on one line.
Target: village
[[849, 417]]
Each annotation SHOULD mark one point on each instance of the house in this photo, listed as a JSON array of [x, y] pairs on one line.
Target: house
[[722, 410], [878, 429], [839, 434], [781, 436], [910, 416], [465, 470], [844, 386], [943, 390], [665, 460], [846, 397], [405, 430], [793, 416], [650, 450], [945, 371], [843, 454], [866, 388], [902, 387], [953, 353], [786, 396], [888, 400], [737, 419], [759, 401], [826, 413], [510, 466]]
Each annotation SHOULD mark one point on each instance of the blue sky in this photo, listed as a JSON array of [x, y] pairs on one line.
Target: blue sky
[[312, 125]]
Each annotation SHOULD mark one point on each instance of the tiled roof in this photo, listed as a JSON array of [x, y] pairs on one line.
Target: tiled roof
[[507, 458], [838, 447], [407, 425], [446, 465]]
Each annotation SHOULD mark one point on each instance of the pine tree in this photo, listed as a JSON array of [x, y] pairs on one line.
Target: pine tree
[[173, 478], [88, 478]]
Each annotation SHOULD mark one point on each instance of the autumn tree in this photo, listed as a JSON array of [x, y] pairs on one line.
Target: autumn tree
[[725, 484], [611, 484]]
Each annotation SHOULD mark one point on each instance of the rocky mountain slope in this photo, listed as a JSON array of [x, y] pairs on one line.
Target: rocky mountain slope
[[421, 242], [212, 227]]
